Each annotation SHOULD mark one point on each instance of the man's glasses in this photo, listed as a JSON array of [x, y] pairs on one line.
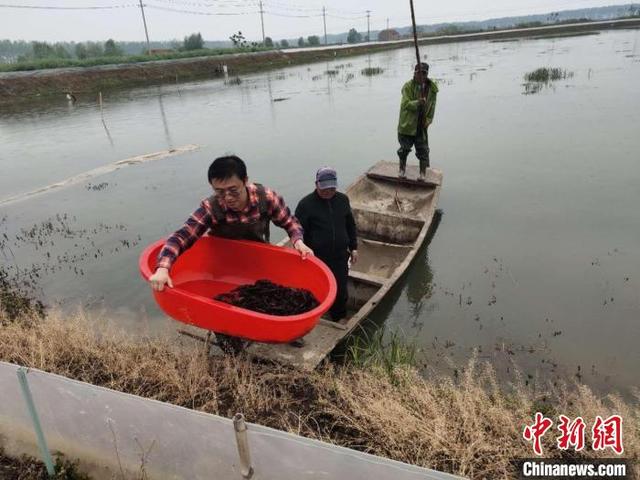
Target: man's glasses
[[233, 192]]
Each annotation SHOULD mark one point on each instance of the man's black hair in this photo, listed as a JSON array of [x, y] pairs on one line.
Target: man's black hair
[[226, 167]]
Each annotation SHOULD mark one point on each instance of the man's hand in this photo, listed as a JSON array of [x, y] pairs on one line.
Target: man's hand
[[354, 257], [303, 249], [422, 101], [160, 278]]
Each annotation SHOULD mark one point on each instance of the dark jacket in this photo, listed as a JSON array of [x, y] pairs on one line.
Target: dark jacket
[[329, 227]]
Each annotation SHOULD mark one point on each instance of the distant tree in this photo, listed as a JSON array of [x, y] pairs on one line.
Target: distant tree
[[449, 29], [301, 42], [388, 35], [268, 42], [81, 51], [45, 50], [111, 49], [60, 51], [94, 49], [10, 49], [528, 24], [238, 40], [193, 42], [313, 40], [42, 50], [284, 43], [353, 36]]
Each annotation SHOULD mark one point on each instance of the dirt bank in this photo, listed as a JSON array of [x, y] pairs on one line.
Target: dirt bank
[[17, 87]]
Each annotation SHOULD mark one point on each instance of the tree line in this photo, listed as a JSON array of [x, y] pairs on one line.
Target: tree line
[[23, 51]]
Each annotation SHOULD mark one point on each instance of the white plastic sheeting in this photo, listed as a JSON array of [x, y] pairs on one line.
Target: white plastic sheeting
[[112, 432]]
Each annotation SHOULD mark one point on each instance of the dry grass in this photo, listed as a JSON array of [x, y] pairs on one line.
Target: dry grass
[[27, 468], [469, 426]]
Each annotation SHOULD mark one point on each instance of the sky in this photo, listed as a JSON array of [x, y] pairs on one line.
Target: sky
[[218, 19]]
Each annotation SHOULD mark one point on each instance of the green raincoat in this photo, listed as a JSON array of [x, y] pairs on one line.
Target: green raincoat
[[408, 123]]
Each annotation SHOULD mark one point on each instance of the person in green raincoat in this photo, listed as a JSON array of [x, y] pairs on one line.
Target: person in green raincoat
[[412, 105]]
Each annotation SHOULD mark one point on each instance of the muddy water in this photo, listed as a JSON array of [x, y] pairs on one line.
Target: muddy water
[[536, 260]]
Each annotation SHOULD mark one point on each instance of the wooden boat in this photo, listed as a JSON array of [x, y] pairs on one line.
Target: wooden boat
[[393, 217]]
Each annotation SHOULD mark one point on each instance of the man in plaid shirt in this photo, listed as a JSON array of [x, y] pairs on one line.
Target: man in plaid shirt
[[238, 209]]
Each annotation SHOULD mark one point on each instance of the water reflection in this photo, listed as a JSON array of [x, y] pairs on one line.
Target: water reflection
[[167, 134], [104, 124]]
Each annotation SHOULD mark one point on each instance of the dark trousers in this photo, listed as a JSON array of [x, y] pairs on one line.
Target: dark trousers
[[422, 150], [340, 268]]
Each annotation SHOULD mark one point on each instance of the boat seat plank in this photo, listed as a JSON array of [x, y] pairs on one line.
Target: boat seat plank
[[364, 277], [387, 227]]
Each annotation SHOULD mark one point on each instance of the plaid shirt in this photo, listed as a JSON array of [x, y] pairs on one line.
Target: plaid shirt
[[203, 219]]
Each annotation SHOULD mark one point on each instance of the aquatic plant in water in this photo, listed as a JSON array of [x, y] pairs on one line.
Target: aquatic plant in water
[[384, 352], [371, 71], [546, 75], [539, 78]]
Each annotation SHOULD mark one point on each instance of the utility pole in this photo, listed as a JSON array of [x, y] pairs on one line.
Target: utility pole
[[324, 20], [262, 21], [144, 21], [368, 29]]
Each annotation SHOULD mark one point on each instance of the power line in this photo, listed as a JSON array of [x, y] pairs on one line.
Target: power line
[[193, 12], [346, 18], [39, 7], [290, 7], [287, 15], [225, 4]]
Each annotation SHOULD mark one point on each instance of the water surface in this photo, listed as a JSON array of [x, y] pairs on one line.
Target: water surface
[[536, 259]]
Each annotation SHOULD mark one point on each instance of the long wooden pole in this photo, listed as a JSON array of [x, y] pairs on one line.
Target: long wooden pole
[[419, 66], [146, 32]]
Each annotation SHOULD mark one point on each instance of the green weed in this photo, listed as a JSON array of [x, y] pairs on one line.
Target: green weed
[[371, 71]]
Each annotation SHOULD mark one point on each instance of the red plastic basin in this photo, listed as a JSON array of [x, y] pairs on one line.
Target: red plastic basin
[[215, 265]]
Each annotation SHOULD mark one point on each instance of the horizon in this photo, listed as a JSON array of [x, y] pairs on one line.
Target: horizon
[[121, 20]]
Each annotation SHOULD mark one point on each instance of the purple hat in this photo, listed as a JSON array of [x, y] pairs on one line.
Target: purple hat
[[326, 178]]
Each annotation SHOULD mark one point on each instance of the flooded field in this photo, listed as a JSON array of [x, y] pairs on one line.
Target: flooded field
[[536, 261]]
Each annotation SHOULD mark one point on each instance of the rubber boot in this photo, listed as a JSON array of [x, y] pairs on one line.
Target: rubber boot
[[402, 170], [424, 164]]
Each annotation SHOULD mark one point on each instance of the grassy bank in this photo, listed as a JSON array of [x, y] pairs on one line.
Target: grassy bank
[[469, 426], [48, 63]]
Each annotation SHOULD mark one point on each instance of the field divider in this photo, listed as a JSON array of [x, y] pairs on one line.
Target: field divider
[[104, 169]]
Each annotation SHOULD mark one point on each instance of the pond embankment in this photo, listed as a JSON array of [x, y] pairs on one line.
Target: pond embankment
[[16, 87]]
